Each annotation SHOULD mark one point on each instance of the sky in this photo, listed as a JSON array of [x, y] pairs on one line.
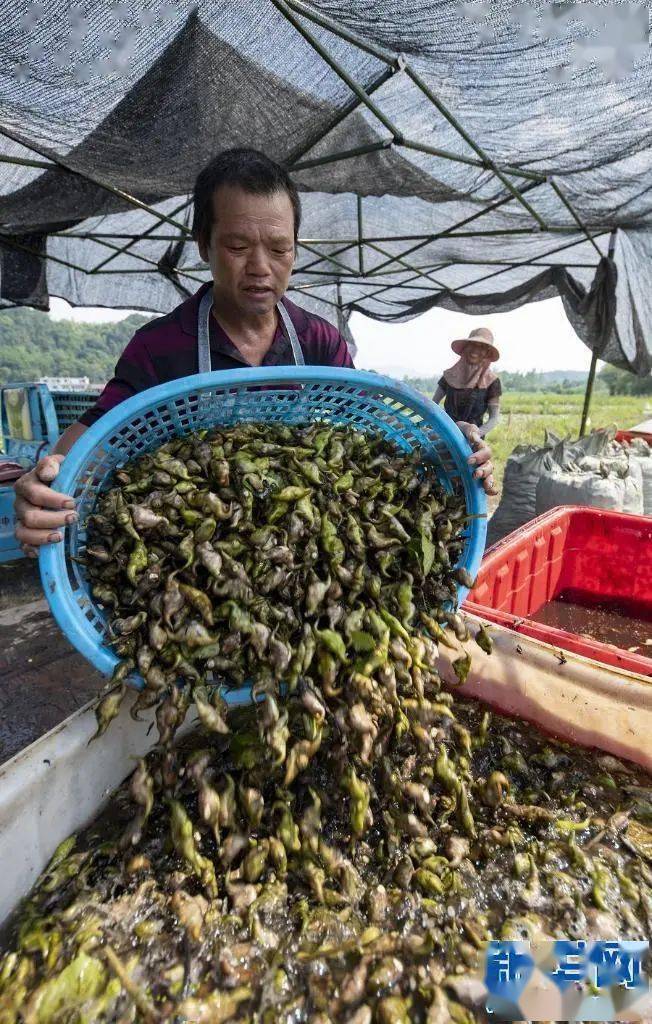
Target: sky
[[535, 337]]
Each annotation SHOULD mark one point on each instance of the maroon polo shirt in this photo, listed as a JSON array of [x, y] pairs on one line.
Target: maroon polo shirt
[[166, 349]]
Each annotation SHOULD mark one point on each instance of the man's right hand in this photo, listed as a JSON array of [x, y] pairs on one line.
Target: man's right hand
[[40, 511]]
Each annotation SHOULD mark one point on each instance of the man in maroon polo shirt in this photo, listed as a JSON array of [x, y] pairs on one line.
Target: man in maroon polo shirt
[[246, 224]]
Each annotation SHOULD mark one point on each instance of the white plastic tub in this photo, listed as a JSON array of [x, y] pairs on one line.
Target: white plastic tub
[[57, 785], [564, 694]]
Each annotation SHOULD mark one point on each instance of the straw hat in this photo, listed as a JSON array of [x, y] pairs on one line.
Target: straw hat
[[481, 336]]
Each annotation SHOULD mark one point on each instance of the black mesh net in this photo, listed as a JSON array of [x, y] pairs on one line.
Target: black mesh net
[[474, 156]]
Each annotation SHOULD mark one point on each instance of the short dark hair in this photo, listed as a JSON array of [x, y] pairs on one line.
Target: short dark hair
[[248, 169]]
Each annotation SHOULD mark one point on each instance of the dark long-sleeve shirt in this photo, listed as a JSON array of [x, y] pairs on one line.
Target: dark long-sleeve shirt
[[166, 349]]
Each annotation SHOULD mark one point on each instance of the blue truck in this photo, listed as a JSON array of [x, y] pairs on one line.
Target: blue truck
[[32, 416]]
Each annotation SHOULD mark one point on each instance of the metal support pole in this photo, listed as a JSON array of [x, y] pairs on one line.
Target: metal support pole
[[117, 250], [344, 247], [350, 275], [341, 323], [137, 238], [527, 263], [396, 134], [23, 161], [418, 270], [118, 192], [588, 393], [344, 33], [325, 259], [472, 161], [11, 243], [152, 270], [360, 229], [302, 288], [443, 110], [346, 154], [334, 66], [398, 63], [348, 108], [449, 231], [597, 229], [594, 355], [482, 158], [96, 236], [405, 265], [501, 263], [580, 223], [485, 277], [375, 147]]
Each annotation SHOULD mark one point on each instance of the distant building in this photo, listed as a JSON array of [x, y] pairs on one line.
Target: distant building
[[70, 384]]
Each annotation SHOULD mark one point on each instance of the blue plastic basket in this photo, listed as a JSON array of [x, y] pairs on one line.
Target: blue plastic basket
[[291, 395]]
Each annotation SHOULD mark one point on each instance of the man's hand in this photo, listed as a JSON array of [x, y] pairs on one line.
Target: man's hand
[[481, 457], [40, 511]]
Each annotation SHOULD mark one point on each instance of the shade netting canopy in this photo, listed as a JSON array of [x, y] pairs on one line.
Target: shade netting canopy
[[473, 156]]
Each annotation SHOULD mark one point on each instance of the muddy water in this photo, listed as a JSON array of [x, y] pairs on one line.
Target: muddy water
[[627, 625]]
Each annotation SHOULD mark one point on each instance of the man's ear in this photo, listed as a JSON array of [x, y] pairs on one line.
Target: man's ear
[[203, 249]]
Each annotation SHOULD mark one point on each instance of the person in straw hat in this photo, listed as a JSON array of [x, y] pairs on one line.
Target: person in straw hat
[[470, 387]]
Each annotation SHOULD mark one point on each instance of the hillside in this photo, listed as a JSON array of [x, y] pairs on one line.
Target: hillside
[[32, 346], [577, 377]]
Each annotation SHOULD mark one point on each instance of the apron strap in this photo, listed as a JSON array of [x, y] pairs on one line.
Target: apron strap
[[203, 333], [291, 333]]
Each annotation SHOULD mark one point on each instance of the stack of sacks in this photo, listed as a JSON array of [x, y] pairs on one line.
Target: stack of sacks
[[640, 451], [612, 482], [595, 470]]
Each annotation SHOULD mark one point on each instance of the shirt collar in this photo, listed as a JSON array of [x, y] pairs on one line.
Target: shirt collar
[[219, 339], [277, 354]]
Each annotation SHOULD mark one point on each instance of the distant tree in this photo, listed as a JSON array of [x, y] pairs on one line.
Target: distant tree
[[554, 382], [32, 346], [622, 382]]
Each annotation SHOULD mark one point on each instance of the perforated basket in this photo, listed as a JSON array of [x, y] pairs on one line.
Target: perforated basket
[[291, 395]]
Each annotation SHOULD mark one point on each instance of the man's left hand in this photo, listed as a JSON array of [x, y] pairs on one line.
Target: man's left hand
[[481, 458]]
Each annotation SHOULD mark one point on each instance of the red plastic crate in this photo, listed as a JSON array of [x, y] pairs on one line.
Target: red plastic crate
[[607, 555], [629, 435]]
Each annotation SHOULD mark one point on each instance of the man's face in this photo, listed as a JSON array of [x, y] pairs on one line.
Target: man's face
[[251, 248]]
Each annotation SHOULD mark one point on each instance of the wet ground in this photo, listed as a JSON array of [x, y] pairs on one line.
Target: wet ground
[[20, 582], [626, 625], [42, 678]]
